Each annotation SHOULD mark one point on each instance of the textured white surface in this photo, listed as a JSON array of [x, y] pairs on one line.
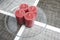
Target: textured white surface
[[7, 13], [8, 5], [20, 32]]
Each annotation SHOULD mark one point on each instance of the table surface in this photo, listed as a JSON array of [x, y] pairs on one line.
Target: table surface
[[10, 4], [5, 35]]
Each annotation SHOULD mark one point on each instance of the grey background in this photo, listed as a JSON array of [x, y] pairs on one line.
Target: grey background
[[52, 11]]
